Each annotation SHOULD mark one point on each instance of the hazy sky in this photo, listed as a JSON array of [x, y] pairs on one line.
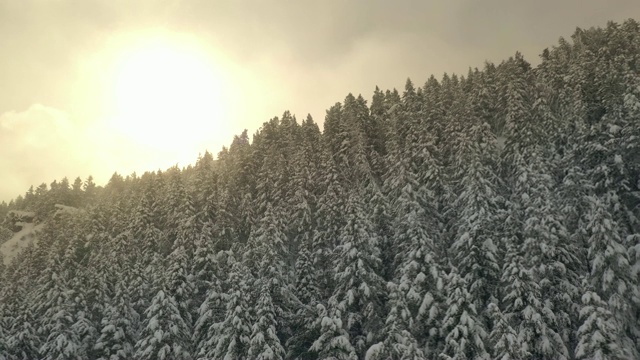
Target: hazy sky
[[93, 86]]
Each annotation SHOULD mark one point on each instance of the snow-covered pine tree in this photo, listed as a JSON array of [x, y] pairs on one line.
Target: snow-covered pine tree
[[475, 251], [333, 342], [399, 341], [463, 330], [535, 232], [210, 314], [266, 256], [3, 337], [117, 328], [308, 293], [610, 274], [56, 319], [180, 284], [164, 334], [418, 275], [504, 339], [264, 341], [22, 341], [598, 334], [360, 291], [233, 335], [329, 221]]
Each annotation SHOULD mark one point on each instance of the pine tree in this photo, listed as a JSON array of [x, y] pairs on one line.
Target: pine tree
[[598, 333], [475, 247], [399, 341], [418, 273], [118, 327], [267, 255], [506, 344], [610, 273], [359, 292], [22, 340], [264, 343], [3, 343], [164, 334], [56, 317], [330, 220], [233, 335], [308, 293], [181, 284], [333, 342], [464, 332], [211, 313], [543, 299]]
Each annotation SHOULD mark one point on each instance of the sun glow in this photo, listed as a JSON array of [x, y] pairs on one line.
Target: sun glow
[[167, 93]]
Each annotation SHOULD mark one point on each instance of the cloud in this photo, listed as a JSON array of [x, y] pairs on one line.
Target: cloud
[[301, 56], [42, 144], [38, 145]]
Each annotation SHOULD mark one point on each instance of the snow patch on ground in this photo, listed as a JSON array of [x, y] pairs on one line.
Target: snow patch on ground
[[18, 213], [19, 241]]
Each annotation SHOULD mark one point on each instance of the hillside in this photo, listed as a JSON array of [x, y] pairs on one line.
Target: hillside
[[488, 216]]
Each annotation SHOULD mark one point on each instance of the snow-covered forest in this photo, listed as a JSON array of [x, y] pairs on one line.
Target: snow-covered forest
[[491, 215]]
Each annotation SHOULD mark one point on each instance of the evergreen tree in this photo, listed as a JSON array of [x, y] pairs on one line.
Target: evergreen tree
[[60, 341], [3, 345], [598, 333], [210, 314], [399, 342], [475, 247], [264, 343], [418, 273], [505, 341], [164, 334], [359, 292], [333, 342], [610, 276], [232, 338], [118, 328], [22, 340], [464, 332]]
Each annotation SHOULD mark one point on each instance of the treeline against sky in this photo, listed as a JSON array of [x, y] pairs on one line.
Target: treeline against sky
[[492, 215]]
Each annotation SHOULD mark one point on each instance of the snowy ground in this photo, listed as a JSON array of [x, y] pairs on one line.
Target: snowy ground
[[19, 241]]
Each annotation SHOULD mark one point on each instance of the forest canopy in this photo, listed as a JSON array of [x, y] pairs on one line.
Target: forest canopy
[[491, 215]]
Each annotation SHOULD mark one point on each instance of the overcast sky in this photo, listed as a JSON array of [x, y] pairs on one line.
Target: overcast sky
[[58, 59]]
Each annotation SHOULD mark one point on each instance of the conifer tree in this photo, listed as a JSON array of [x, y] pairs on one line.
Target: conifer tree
[[505, 341], [475, 248], [118, 328], [610, 275], [22, 340], [399, 341], [60, 341], [359, 292], [264, 341], [164, 334], [418, 274], [333, 342], [597, 336], [232, 337], [464, 332], [536, 231]]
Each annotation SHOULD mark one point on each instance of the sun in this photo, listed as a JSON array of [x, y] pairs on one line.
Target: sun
[[166, 93]]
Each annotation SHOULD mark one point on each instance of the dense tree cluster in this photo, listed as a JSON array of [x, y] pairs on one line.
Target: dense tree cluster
[[486, 216]]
